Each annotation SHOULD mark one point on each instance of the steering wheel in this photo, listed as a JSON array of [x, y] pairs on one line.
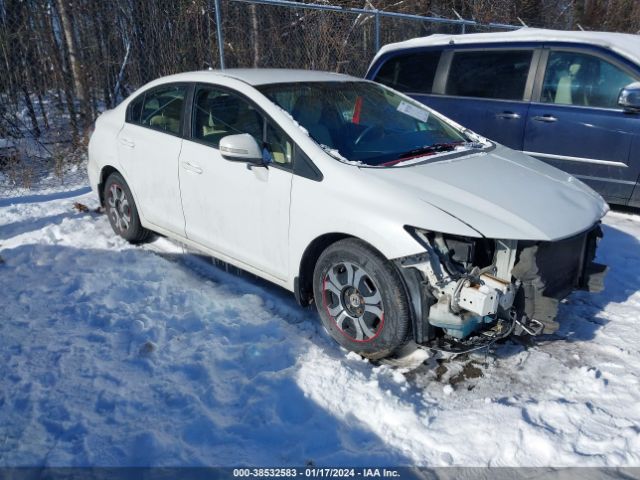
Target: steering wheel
[[367, 132]]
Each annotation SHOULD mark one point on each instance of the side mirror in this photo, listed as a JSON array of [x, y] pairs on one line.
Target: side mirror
[[629, 98], [241, 148]]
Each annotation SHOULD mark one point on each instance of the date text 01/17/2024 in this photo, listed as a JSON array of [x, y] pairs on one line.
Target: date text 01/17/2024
[[316, 472]]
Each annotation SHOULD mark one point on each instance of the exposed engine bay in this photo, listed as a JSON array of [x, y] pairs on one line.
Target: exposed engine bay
[[470, 292]]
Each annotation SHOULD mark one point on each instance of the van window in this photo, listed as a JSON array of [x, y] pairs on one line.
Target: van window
[[574, 78], [500, 74], [412, 72]]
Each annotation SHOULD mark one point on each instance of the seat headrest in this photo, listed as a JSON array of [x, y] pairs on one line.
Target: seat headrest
[[574, 68], [173, 107]]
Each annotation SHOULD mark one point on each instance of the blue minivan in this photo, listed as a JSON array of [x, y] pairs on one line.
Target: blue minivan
[[571, 99]]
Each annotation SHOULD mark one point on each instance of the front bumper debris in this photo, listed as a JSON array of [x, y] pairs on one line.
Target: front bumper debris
[[519, 293], [550, 271]]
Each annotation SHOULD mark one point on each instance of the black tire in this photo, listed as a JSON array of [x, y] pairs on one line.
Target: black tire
[[372, 329], [122, 211]]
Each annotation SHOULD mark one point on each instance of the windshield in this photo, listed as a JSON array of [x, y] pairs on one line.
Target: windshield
[[365, 122]]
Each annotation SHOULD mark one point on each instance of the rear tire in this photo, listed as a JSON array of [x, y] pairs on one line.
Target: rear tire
[[122, 211], [361, 299]]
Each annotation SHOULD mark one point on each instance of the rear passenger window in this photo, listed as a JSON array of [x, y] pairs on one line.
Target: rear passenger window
[[489, 74], [135, 109], [413, 72], [162, 109]]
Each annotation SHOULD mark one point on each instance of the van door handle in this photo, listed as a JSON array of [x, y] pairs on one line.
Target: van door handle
[[191, 167], [545, 118], [508, 115], [127, 143]]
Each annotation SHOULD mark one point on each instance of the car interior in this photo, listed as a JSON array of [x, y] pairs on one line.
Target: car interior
[[218, 114], [163, 112], [308, 111], [584, 80]]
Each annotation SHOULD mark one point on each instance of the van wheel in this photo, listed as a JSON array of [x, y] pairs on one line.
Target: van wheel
[[122, 211], [361, 299]]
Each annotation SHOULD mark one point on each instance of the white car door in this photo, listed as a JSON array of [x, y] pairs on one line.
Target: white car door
[[238, 211], [149, 148]]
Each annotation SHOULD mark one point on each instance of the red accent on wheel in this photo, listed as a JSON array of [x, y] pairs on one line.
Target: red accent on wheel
[[326, 308]]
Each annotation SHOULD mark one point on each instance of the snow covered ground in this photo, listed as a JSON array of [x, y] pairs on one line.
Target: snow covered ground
[[115, 355]]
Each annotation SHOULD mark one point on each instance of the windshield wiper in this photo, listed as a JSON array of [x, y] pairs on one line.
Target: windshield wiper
[[427, 149], [431, 150]]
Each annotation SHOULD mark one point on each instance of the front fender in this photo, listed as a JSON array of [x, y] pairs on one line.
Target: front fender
[[350, 208]]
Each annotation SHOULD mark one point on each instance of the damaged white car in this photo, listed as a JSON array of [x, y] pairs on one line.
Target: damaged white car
[[396, 222]]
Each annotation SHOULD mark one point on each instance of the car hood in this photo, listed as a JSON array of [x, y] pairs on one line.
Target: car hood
[[501, 194]]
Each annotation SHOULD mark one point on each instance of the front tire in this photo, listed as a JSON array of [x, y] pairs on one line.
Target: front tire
[[122, 211], [361, 299]]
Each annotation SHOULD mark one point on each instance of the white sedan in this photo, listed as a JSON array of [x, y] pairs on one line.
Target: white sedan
[[399, 224]]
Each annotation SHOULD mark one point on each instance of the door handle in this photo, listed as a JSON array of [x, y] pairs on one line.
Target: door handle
[[508, 115], [127, 143], [545, 118], [190, 167]]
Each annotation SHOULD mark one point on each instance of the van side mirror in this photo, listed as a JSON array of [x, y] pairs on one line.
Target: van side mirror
[[629, 98], [241, 148]]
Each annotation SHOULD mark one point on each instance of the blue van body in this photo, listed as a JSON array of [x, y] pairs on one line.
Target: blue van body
[[601, 146]]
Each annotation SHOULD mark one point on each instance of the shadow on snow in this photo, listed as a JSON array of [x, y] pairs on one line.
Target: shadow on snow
[[120, 359]]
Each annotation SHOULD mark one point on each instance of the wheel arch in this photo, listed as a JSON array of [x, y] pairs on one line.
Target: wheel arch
[[303, 282]]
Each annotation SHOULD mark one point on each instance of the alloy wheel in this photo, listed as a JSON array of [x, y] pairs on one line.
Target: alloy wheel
[[352, 299], [119, 207]]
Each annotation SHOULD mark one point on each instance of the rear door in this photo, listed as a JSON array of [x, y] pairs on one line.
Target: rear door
[[575, 123], [149, 146], [488, 91]]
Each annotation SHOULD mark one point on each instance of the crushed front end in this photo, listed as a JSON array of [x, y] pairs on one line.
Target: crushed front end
[[469, 292]]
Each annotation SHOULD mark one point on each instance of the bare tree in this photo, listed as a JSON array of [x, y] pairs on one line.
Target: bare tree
[[74, 60], [63, 61]]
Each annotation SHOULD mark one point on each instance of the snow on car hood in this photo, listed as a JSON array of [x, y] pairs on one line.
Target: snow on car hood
[[502, 194]]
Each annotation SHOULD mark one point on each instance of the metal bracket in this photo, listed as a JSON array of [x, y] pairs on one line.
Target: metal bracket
[[530, 325], [505, 258]]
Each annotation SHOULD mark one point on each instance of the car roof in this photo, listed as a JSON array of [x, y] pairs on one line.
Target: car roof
[[625, 44], [262, 76]]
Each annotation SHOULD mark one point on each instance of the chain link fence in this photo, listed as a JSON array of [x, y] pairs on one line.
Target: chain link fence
[[66, 61], [285, 34]]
